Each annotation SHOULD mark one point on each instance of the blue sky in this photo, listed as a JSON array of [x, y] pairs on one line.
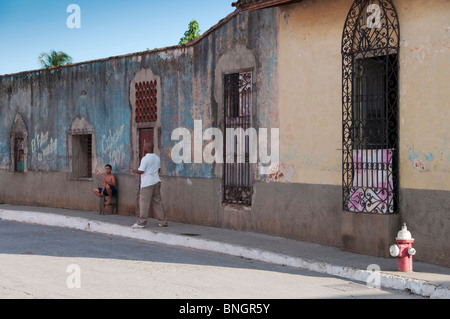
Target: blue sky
[[108, 27]]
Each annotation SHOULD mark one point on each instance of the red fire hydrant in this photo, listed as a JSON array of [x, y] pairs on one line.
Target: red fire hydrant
[[403, 250]]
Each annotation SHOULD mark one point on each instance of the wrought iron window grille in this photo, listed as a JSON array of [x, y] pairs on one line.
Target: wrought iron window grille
[[370, 50], [238, 182], [19, 153]]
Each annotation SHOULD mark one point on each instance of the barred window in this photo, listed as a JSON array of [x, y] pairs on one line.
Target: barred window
[[82, 156], [19, 153], [146, 102], [238, 183], [18, 146], [370, 48]]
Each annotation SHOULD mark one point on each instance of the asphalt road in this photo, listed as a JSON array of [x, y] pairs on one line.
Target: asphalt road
[[38, 262]]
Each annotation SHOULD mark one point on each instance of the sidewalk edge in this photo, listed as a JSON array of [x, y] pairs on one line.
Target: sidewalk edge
[[415, 286]]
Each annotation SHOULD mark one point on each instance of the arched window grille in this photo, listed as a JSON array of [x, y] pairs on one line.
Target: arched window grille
[[370, 54], [238, 183]]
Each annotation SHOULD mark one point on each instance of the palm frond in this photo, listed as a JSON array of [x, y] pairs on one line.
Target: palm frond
[[55, 58]]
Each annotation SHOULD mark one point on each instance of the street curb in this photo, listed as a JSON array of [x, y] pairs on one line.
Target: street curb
[[385, 280]]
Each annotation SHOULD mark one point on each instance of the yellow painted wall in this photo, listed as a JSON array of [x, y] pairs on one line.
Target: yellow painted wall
[[425, 94], [311, 91]]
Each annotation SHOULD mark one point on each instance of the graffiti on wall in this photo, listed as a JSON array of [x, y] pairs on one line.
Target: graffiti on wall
[[113, 146], [420, 160], [43, 146]]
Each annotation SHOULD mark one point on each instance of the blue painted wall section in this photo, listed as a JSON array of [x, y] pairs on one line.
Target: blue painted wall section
[[98, 91], [49, 101]]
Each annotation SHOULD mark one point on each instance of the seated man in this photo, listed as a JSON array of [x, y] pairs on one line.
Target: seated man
[[109, 187]]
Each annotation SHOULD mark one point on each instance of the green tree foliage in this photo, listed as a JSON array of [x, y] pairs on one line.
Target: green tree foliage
[[192, 32], [54, 58]]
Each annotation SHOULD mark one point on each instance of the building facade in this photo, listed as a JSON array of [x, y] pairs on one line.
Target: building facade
[[346, 101]]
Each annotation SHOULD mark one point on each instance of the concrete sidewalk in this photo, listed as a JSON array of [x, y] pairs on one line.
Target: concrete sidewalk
[[427, 280]]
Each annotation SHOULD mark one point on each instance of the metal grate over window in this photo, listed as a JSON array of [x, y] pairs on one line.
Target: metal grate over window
[[370, 49], [82, 155], [19, 157], [146, 102], [238, 183]]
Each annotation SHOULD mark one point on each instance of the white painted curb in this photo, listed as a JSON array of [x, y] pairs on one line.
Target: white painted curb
[[415, 286]]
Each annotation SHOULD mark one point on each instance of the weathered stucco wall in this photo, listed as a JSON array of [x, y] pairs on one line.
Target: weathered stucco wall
[[424, 126], [294, 53], [424, 94], [311, 66], [310, 78], [97, 93], [50, 101], [310, 90]]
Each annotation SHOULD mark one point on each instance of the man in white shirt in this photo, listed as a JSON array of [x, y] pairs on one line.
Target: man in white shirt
[[150, 188]]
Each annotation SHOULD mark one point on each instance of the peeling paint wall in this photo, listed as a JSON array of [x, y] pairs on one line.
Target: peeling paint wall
[[310, 108], [294, 53], [49, 101], [194, 90], [99, 93], [311, 66], [310, 90]]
